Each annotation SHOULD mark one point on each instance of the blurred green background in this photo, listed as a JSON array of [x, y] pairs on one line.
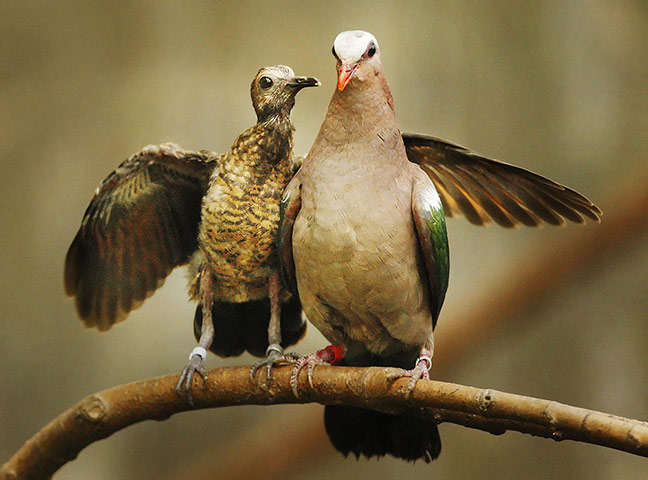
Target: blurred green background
[[558, 87]]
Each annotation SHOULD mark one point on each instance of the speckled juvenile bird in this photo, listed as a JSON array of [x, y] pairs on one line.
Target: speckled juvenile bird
[[164, 205], [363, 239]]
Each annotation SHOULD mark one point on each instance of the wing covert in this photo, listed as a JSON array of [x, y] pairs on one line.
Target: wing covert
[[429, 220], [290, 206]]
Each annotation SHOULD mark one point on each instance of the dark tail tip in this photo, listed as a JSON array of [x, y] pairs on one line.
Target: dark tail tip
[[374, 434]]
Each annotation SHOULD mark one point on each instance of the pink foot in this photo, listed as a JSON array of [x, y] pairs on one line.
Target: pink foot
[[326, 356], [420, 371]]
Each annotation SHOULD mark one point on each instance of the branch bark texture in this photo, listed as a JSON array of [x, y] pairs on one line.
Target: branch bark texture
[[101, 414]]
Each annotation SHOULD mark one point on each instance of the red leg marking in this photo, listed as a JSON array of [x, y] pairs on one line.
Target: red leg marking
[[325, 356]]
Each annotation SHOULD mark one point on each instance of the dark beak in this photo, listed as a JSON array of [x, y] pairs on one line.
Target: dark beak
[[301, 82]]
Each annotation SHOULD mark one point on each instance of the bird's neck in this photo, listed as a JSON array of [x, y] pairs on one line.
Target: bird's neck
[[277, 120], [266, 147], [362, 116], [278, 131]]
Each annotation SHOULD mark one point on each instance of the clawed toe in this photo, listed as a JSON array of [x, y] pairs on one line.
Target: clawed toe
[[420, 371], [195, 365], [326, 356], [309, 361], [416, 374], [396, 374], [274, 356]]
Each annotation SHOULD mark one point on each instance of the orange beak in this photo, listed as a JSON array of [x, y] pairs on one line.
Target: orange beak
[[346, 74]]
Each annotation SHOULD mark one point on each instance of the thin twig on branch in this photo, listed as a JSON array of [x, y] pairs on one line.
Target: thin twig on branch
[[101, 414]]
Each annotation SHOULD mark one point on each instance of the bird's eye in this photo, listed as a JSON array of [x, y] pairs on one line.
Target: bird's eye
[[333, 52], [372, 50], [265, 82]]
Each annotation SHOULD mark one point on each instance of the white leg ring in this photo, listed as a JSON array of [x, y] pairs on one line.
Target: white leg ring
[[425, 358], [200, 351]]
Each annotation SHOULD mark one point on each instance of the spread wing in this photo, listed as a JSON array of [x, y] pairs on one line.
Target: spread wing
[[141, 223], [483, 189]]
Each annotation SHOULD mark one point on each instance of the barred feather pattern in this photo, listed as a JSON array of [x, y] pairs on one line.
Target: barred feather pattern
[[240, 213]]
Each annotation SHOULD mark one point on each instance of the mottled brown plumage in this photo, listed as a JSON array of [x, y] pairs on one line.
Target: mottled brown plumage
[[240, 218], [164, 205], [240, 213]]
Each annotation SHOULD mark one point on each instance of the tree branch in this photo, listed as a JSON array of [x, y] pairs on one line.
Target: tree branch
[[101, 414], [583, 253]]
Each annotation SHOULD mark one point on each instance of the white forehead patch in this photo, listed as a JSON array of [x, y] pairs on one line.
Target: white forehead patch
[[350, 45], [282, 71]]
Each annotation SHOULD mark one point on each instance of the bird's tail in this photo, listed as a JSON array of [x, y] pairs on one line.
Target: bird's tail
[[244, 326], [374, 434]]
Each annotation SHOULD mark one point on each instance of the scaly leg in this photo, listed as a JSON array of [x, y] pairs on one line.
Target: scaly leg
[[274, 352], [421, 368], [197, 356]]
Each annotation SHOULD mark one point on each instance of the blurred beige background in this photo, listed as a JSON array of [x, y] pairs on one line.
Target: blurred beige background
[[557, 87]]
